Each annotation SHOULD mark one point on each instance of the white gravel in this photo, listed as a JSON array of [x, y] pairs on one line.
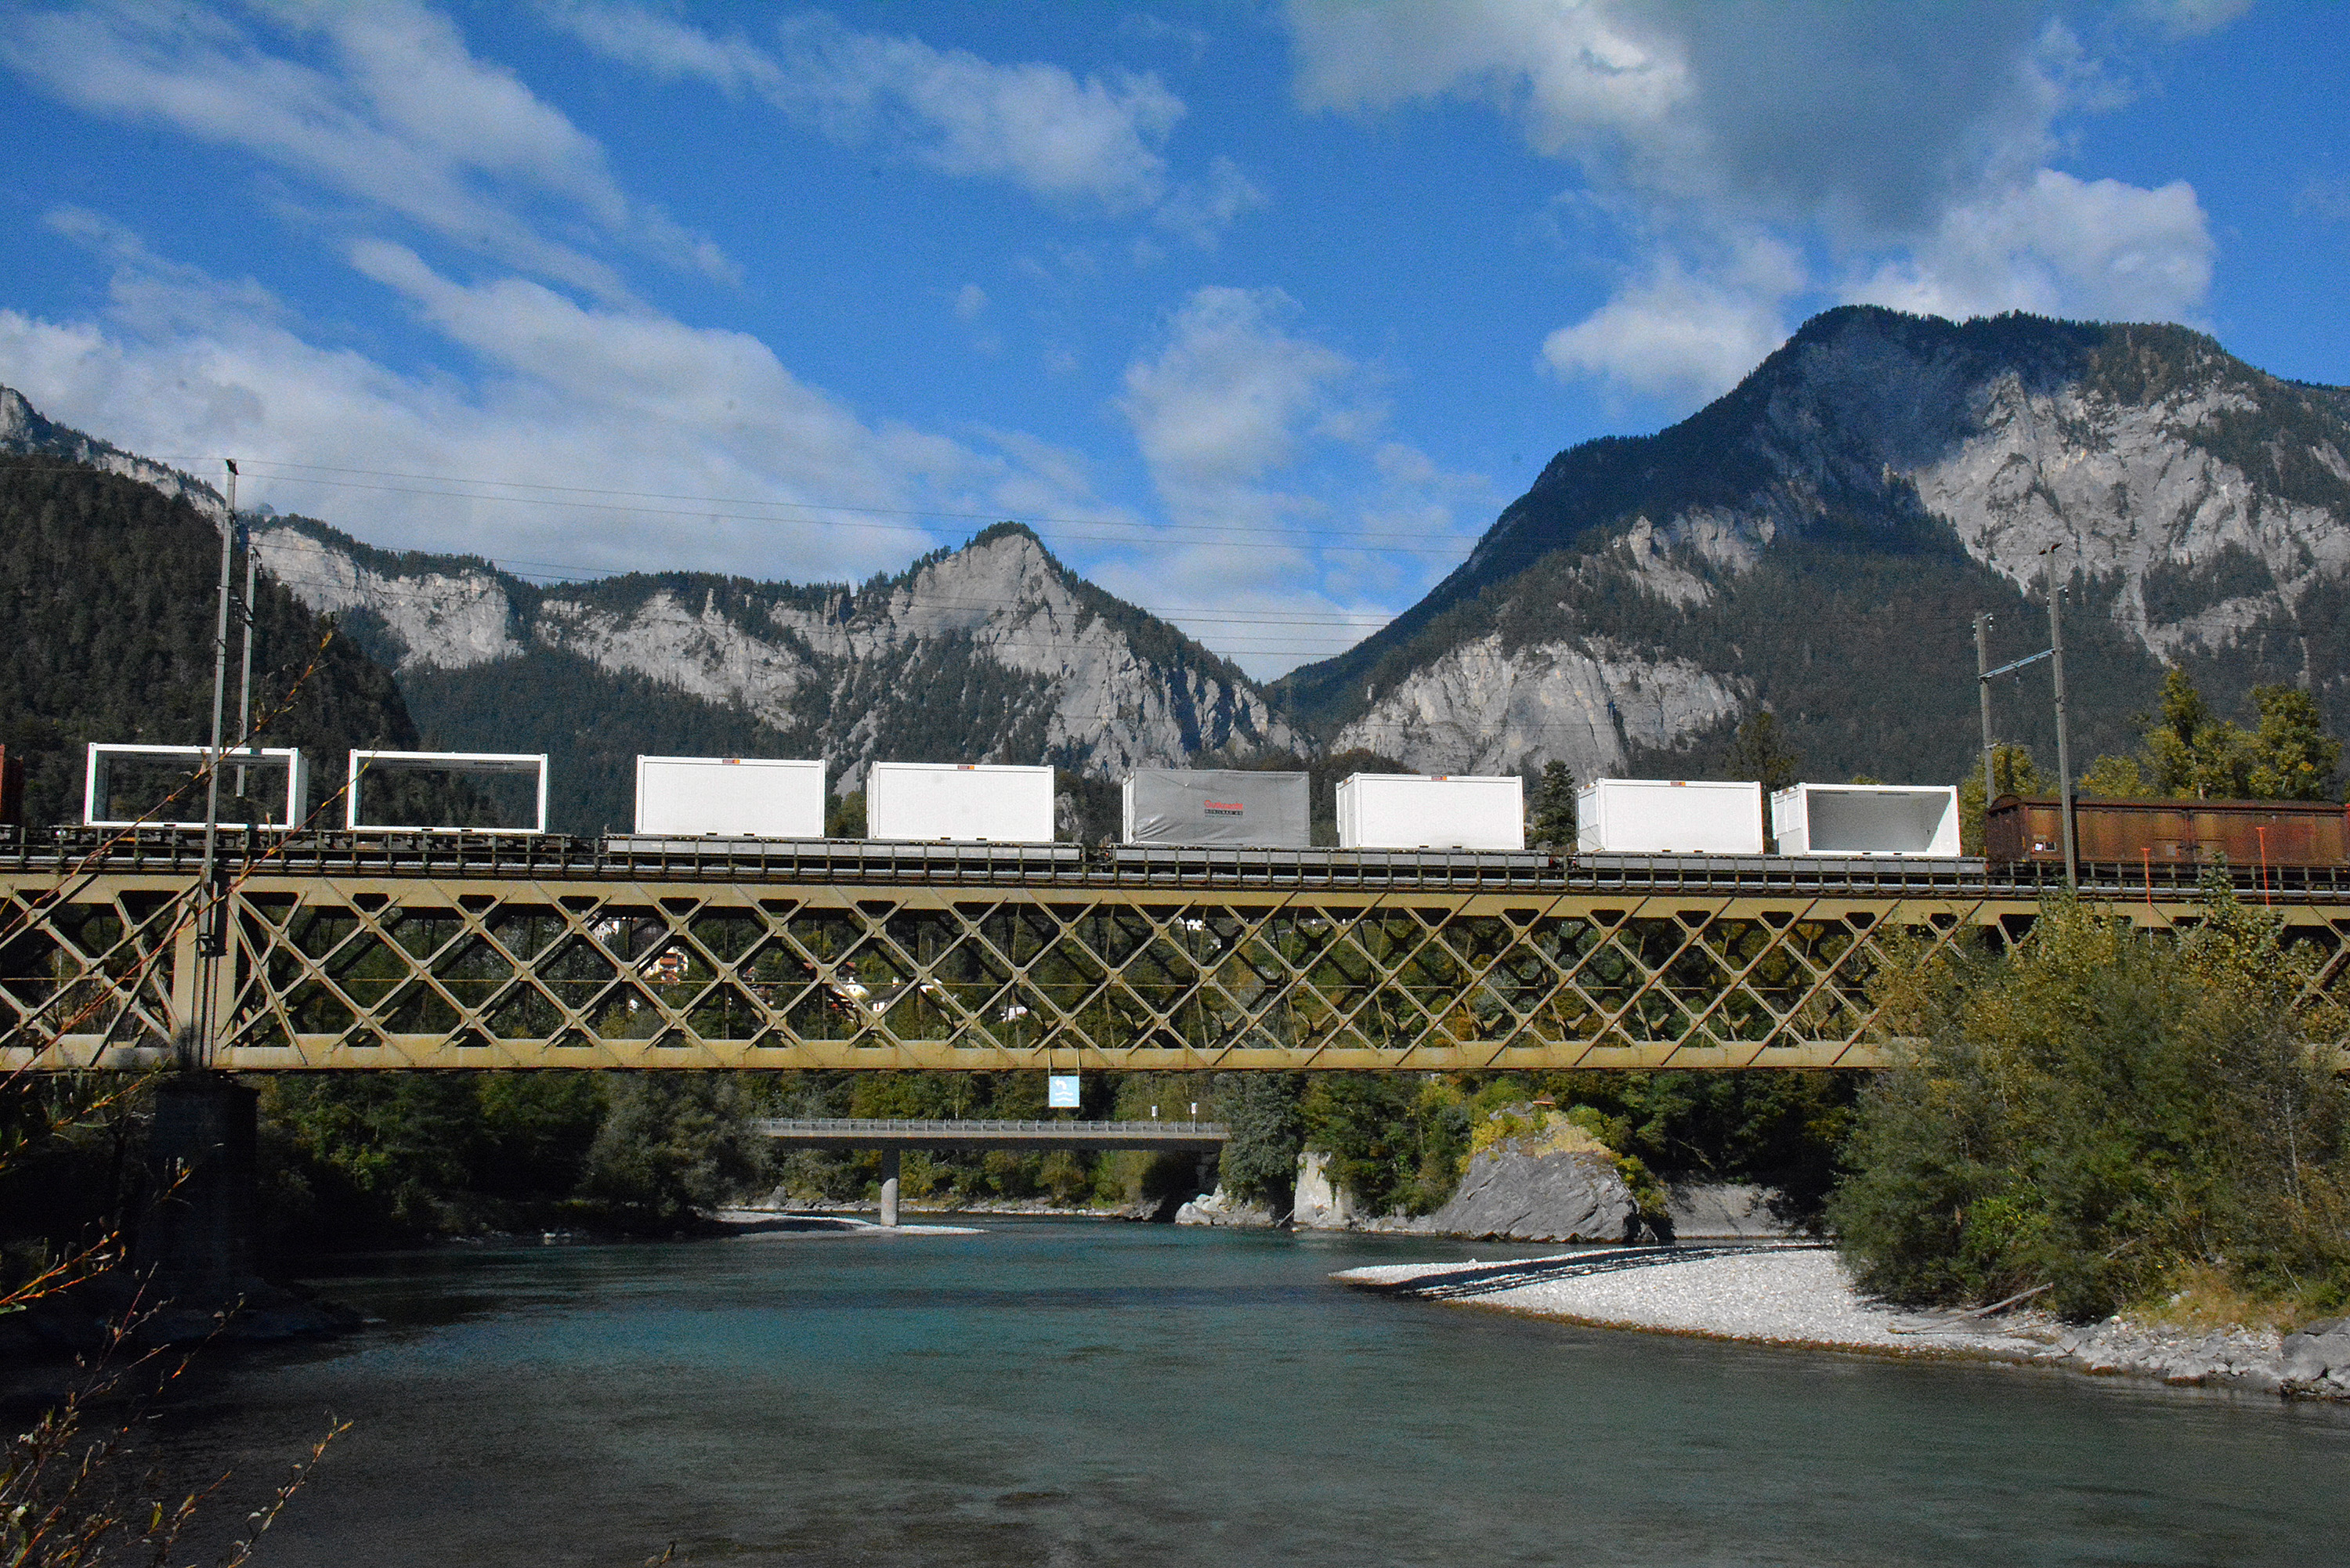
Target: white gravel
[[1779, 1297]]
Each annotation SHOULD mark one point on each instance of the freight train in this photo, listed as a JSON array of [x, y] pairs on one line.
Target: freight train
[[761, 798]]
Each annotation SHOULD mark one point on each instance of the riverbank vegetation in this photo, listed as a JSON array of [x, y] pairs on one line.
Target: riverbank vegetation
[[2107, 1117]]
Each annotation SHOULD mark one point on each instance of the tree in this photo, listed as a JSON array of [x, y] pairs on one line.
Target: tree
[[2102, 1113], [2194, 754], [1761, 752], [2293, 756], [675, 1142], [1551, 812], [2014, 773], [1259, 1162]]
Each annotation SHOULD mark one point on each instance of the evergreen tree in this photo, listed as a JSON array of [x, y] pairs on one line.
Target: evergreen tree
[[1551, 810], [1761, 752]]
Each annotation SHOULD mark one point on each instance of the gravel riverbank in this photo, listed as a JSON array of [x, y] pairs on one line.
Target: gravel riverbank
[[1800, 1295]]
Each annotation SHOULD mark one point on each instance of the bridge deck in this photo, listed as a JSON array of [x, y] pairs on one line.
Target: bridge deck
[[498, 951], [874, 1132]]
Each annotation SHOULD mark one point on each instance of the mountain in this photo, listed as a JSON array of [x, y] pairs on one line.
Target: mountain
[[993, 652], [106, 602], [1817, 541]]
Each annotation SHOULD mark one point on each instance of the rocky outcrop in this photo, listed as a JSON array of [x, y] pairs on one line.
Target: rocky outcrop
[[1722, 1211], [1551, 1181], [1321, 1203], [1221, 1207]]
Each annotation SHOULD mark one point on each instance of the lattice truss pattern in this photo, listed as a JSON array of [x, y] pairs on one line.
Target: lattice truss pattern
[[503, 973]]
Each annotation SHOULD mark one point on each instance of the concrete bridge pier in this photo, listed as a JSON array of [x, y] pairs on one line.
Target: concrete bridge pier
[[198, 1240], [889, 1157]]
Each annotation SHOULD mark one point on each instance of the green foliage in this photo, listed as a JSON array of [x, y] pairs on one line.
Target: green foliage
[[674, 1142], [2014, 774], [593, 723], [1397, 1142], [1761, 752], [1268, 1128], [107, 596], [2112, 777], [2097, 1111], [1551, 808], [2188, 752], [2293, 756]]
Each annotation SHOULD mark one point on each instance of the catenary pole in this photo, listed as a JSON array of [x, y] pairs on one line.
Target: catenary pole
[[2063, 747], [244, 683], [210, 931], [1982, 690]]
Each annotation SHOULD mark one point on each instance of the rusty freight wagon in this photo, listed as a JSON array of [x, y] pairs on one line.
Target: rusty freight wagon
[[2171, 832]]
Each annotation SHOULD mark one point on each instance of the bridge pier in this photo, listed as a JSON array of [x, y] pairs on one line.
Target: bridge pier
[[889, 1165], [197, 1243]]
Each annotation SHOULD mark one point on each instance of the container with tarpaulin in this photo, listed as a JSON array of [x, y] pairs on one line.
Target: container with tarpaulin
[[1230, 807], [2171, 831]]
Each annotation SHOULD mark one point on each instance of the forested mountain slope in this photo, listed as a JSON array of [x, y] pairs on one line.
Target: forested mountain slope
[[1817, 541], [991, 652], [106, 602]]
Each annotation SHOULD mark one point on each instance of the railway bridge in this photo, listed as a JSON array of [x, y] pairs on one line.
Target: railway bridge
[[462, 951]]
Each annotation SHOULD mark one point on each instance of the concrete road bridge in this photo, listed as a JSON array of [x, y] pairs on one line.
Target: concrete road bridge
[[367, 952], [894, 1136]]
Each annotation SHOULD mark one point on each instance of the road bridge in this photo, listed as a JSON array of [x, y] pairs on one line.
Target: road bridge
[[893, 1136], [369, 952]]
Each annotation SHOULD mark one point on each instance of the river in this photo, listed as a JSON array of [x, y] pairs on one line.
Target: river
[[1088, 1393]]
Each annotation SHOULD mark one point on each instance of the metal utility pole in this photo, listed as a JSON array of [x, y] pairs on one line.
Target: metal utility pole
[[1982, 690], [2063, 747], [244, 688], [212, 925]]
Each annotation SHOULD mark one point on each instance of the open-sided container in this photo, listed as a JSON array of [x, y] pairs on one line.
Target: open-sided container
[[1669, 817], [1233, 807], [737, 797], [272, 773], [1431, 811], [528, 766], [990, 803], [1866, 819]]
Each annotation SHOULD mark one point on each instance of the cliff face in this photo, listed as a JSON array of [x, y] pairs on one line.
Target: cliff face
[[994, 652], [1817, 541]]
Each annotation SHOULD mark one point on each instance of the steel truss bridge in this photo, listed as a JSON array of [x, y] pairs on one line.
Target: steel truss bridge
[[480, 950]]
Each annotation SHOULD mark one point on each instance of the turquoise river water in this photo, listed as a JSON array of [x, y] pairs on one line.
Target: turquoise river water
[[1087, 1393]]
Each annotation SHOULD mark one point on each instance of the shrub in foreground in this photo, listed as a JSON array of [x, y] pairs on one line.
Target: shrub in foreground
[[2102, 1112]]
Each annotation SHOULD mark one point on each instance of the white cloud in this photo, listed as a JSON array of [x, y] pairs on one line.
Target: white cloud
[[970, 302], [408, 121], [1276, 443], [578, 399], [1907, 143], [2058, 246], [1680, 334], [1227, 400], [1098, 139]]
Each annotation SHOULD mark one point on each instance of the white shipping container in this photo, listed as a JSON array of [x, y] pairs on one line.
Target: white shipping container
[[959, 802], [267, 770], [1866, 819], [1431, 811], [743, 797], [1222, 806], [1669, 817]]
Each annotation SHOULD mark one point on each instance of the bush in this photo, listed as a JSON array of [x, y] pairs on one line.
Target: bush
[[2099, 1111]]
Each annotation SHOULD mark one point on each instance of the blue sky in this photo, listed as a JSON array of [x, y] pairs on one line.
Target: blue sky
[[1257, 313]]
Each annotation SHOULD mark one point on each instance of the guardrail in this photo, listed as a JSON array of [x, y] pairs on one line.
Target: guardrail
[[556, 857]]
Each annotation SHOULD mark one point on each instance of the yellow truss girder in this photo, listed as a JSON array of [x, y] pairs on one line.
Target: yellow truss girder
[[328, 972]]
